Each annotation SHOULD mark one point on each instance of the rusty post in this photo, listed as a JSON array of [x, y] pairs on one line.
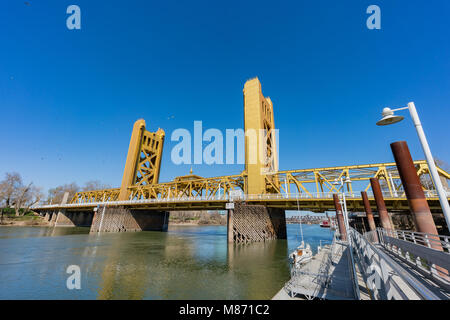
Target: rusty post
[[340, 217], [381, 206], [368, 210], [369, 213], [413, 190]]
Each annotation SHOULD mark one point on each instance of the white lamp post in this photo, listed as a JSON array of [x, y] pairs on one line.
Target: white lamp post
[[341, 182], [390, 118]]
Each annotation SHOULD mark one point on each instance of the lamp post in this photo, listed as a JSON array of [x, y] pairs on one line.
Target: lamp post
[[388, 117], [341, 182]]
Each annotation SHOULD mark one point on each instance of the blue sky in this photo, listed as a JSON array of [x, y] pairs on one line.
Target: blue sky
[[69, 98]]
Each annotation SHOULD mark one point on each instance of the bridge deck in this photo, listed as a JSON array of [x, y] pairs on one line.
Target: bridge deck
[[315, 204]]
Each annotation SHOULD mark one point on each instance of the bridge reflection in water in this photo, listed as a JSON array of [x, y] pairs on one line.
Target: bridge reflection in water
[[188, 263]]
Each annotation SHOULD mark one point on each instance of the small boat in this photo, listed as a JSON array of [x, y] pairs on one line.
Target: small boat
[[325, 224], [300, 255]]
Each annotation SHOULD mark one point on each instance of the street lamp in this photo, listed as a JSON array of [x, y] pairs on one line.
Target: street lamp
[[388, 117], [341, 182]]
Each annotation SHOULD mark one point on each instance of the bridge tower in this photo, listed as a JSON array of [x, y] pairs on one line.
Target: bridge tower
[[141, 168], [248, 223], [143, 162], [261, 156]]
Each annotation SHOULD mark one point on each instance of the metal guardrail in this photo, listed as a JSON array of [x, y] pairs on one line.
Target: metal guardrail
[[385, 278], [319, 279], [427, 253], [227, 197]]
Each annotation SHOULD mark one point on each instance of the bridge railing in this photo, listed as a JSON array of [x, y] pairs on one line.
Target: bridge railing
[[427, 253], [385, 278], [326, 195]]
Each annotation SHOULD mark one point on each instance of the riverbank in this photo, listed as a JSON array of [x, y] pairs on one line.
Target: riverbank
[[27, 220], [193, 223], [197, 218]]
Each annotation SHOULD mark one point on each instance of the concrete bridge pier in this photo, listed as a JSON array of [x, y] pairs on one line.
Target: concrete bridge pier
[[66, 218], [255, 223], [53, 216], [47, 216], [120, 219]]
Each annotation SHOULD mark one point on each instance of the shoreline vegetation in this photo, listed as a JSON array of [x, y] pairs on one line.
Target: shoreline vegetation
[[186, 218], [8, 217], [197, 218], [179, 218]]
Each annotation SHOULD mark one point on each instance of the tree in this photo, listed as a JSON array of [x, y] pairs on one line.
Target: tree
[[27, 196], [94, 185], [426, 181], [13, 193], [55, 195], [9, 187]]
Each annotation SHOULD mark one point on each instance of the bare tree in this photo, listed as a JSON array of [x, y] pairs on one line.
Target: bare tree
[[27, 196], [9, 187], [426, 181], [94, 185], [55, 195], [442, 164]]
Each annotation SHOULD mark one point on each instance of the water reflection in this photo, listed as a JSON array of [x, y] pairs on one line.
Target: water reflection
[[183, 263]]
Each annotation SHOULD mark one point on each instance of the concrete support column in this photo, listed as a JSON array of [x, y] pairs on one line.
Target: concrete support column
[[413, 189], [254, 223], [120, 219], [64, 219], [53, 217], [60, 217], [230, 231], [381, 206], [340, 217]]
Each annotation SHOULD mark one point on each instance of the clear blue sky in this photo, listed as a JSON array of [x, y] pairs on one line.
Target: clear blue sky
[[69, 98]]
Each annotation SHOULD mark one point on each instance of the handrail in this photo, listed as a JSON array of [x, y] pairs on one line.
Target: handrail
[[427, 253], [420, 238], [385, 278]]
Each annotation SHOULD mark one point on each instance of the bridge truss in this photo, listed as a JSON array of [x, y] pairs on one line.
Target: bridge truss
[[307, 183]]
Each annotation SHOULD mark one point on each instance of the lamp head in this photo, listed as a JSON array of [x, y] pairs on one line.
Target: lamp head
[[388, 117]]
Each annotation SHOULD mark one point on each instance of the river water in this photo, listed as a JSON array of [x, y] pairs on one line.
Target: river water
[[187, 262]]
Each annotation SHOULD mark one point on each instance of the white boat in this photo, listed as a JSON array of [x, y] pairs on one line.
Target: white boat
[[301, 255]]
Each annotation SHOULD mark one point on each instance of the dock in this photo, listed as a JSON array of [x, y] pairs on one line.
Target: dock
[[326, 276]]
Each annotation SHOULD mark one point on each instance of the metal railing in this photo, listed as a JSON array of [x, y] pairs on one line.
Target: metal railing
[[420, 238], [384, 277], [227, 197], [427, 253], [318, 279]]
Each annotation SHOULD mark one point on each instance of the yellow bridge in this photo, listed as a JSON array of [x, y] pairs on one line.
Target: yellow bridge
[[260, 183]]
